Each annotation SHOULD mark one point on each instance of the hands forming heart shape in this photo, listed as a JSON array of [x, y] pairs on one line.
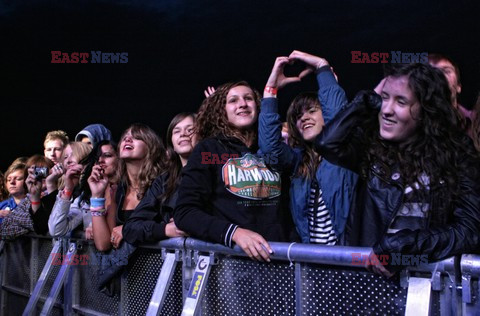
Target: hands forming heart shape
[[277, 77]]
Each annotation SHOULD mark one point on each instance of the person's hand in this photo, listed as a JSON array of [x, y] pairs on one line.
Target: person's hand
[[72, 176], [34, 186], [209, 91], [171, 230], [4, 213], [117, 236], [89, 232], [52, 180], [97, 182], [374, 265], [378, 89], [277, 78], [254, 245], [313, 62]]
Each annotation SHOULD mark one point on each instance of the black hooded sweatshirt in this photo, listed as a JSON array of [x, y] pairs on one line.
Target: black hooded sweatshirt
[[227, 185]]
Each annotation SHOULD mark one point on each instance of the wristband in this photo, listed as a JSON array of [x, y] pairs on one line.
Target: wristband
[[67, 193], [97, 202], [35, 202], [271, 90]]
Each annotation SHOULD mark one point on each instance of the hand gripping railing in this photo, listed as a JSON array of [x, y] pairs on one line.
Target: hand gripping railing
[[198, 257]]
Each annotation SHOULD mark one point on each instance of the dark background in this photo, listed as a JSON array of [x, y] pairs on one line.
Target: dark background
[[176, 48]]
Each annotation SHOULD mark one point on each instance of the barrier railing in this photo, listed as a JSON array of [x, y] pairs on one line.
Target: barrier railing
[[191, 277]]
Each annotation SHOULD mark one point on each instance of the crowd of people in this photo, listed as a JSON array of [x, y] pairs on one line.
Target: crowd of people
[[395, 169]]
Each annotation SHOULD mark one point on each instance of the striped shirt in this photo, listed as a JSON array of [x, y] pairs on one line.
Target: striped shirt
[[320, 225]]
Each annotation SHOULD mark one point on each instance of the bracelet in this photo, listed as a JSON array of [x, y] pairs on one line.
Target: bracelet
[[99, 212], [67, 193], [271, 90], [35, 202]]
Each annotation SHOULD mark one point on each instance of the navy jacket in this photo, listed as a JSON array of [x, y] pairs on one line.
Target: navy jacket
[[337, 184]]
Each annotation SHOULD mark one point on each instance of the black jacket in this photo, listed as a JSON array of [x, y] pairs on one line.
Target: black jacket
[[226, 185], [379, 197], [147, 222]]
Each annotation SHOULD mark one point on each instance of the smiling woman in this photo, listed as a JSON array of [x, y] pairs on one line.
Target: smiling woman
[[421, 183], [226, 202], [320, 192]]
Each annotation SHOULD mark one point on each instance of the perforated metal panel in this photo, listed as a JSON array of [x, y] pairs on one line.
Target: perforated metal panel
[[244, 287], [331, 291], [85, 284], [141, 282], [18, 269]]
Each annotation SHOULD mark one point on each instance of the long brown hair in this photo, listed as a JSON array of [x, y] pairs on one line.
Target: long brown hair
[[310, 159], [173, 164], [212, 117], [154, 161], [439, 149]]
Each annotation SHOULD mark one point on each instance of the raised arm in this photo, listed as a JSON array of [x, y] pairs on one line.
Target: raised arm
[[280, 155]]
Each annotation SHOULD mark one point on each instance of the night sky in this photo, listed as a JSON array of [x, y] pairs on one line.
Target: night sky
[[176, 48]]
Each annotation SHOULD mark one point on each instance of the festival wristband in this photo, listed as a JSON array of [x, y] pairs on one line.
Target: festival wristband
[[97, 202], [271, 90], [35, 202], [67, 193]]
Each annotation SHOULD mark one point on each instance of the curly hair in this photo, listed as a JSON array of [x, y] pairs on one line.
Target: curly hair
[[174, 164], [212, 118], [476, 124], [153, 163], [439, 149], [310, 160]]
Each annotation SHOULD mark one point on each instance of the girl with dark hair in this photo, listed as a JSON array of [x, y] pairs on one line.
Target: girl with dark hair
[[102, 159], [228, 194], [420, 179], [320, 192], [141, 155], [152, 219]]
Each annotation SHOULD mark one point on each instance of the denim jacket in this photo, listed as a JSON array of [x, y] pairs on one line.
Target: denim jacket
[[337, 184]]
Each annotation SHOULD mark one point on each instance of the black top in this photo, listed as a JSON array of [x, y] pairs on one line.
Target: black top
[[226, 185]]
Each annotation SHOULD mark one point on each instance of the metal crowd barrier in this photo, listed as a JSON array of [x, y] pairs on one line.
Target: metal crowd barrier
[[184, 276]]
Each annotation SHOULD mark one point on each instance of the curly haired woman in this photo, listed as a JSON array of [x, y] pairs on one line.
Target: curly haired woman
[[421, 188], [228, 194]]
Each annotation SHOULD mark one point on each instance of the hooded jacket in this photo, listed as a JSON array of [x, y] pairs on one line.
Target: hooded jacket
[[96, 133], [227, 185]]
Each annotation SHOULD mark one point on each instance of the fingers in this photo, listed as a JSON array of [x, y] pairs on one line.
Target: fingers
[[209, 91], [254, 245], [378, 89]]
